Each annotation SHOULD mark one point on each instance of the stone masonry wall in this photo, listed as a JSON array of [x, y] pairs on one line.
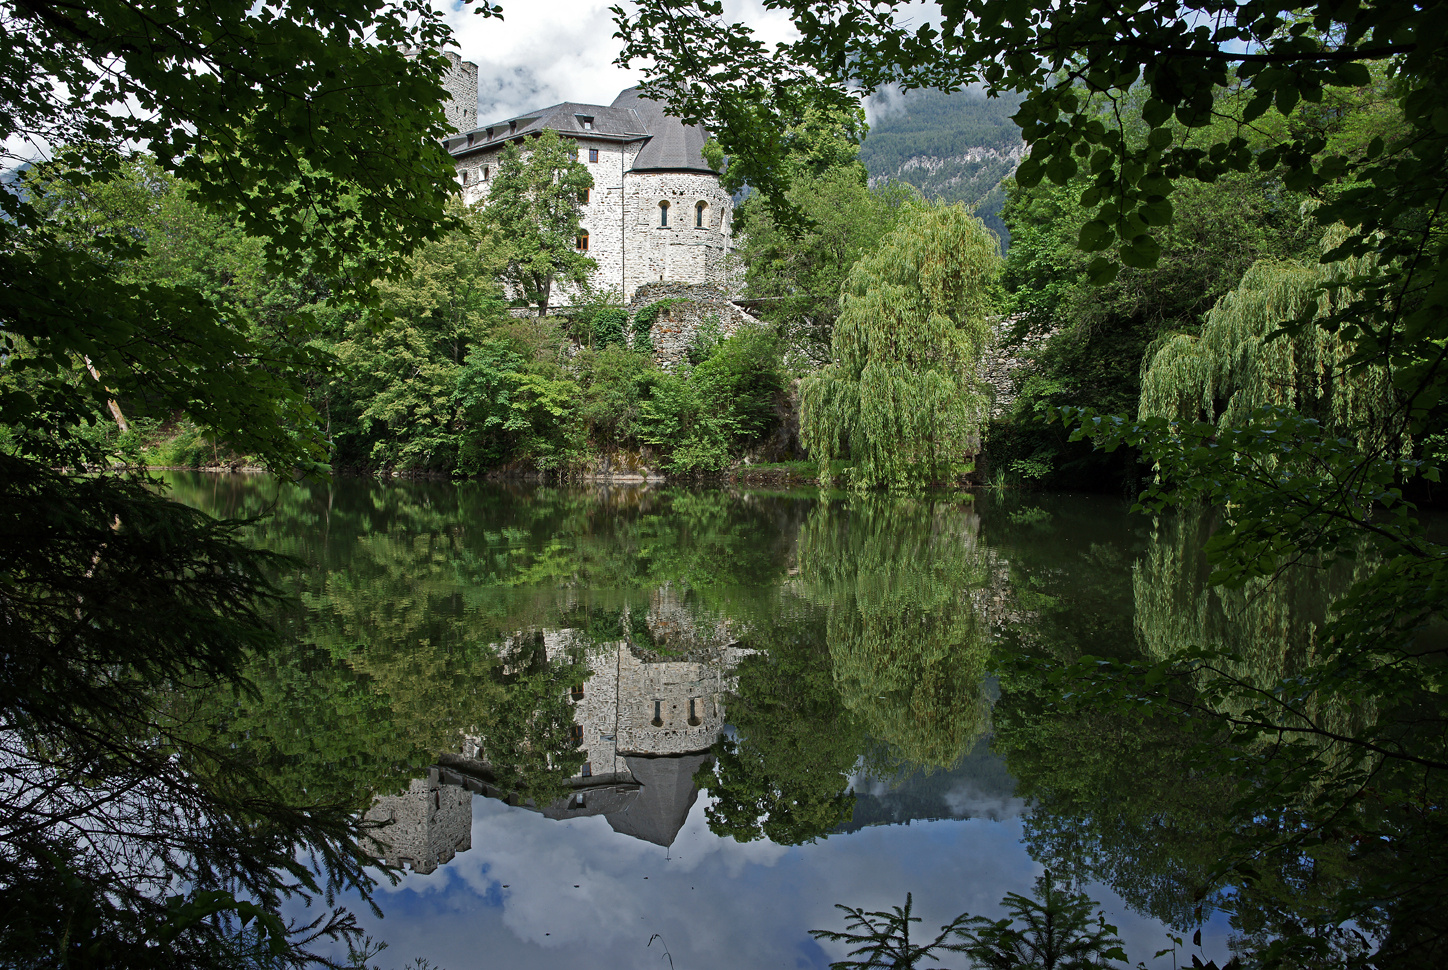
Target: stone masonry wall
[[430, 823], [1003, 367], [461, 84], [675, 328], [623, 222]]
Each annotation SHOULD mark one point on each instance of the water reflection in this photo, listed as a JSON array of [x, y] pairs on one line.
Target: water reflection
[[510, 680]]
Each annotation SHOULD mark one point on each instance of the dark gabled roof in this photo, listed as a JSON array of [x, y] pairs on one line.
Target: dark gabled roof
[[674, 147], [669, 144], [663, 804]]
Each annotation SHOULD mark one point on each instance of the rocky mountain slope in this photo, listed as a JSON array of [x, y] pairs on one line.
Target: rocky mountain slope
[[954, 147]]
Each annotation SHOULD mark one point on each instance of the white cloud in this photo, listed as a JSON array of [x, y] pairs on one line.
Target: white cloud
[[543, 53]]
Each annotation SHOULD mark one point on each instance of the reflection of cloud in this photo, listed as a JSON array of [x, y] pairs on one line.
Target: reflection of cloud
[[968, 801], [715, 903]]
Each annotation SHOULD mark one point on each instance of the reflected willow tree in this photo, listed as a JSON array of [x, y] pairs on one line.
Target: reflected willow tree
[[896, 579]]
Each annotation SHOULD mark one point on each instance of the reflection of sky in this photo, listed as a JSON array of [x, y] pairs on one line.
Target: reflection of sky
[[534, 892]]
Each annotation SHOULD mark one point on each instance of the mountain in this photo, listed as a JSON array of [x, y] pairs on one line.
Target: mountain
[[953, 147]]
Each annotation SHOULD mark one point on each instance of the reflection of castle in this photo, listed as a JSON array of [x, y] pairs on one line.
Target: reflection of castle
[[646, 723], [425, 826]]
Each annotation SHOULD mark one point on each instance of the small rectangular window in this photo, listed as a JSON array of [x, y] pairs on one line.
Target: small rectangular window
[[583, 247], [577, 733], [585, 122], [465, 177], [485, 173], [583, 196], [593, 154]]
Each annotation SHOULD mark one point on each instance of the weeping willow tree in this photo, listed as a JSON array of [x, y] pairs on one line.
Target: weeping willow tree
[[1243, 642], [897, 579], [1247, 358], [898, 398]]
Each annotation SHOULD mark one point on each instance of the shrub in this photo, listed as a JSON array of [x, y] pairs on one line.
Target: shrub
[[608, 325]]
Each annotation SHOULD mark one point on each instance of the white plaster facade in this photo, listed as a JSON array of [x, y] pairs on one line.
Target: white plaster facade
[[656, 212]]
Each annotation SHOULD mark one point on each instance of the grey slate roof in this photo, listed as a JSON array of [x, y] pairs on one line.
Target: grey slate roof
[[669, 144], [663, 804]]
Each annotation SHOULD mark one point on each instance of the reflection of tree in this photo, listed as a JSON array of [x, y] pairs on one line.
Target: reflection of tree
[[404, 629], [785, 773], [1123, 794], [1254, 636], [909, 647]]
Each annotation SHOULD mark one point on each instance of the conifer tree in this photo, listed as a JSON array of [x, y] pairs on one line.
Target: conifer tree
[[898, 398]]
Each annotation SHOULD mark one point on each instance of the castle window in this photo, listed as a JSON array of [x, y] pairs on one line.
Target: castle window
[[490, 134], [512, 127], [485, 173], [699, 210], [593, 154], [663, 215], [577, 733], [583, 196], [587, 772], [585, 122], [465, 177], [578, 688], [470, 141], [693, 715], [583, 248], [658, 720]]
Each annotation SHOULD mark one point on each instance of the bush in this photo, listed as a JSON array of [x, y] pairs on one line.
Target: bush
[[615, 383], [608, 325], [744, 377]]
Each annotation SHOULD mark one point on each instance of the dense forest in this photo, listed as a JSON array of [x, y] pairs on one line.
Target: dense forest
[[955, 147]]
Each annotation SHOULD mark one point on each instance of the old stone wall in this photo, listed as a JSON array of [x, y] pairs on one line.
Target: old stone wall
[[676, 328], [1003, 368], [461, 84], [428, 824], [624, 220]]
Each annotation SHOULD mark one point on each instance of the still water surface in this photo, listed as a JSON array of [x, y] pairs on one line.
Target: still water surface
[[628, 727]]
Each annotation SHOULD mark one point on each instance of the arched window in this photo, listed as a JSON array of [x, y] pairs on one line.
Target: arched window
[[700, 208], [583, 248], [663, 215], [658, 720]]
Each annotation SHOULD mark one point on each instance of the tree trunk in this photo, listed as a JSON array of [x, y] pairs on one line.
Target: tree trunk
[[110, 402]]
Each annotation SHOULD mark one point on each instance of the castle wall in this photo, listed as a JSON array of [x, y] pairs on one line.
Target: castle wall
[[622, 220], [430, 823], [461, 84], [675, 328]]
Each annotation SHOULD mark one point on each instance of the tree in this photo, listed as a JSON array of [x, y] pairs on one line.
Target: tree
[[535, 204], [898, 398], [118, 606], [797, 272]]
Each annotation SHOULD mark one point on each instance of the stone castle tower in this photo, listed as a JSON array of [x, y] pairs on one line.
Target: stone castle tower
[[461, 84], [656, 213]]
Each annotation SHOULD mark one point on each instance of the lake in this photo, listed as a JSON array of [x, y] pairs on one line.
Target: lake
[[633, 726]]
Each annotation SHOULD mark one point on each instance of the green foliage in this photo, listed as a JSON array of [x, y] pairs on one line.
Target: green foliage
[[643, 323], [122, 610], [1242, 361], [608, 327], [897, 398], [1055, 934], [784, 775], [795, 271], [533, 206], [909, 650]]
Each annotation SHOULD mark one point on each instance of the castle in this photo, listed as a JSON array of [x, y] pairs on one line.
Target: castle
[[656, 213]]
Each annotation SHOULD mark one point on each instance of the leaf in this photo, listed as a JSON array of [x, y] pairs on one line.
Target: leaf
[[1102, 271], [1095, 236]]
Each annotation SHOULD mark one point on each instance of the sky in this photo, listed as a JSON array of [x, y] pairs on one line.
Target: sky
[[537, 893], [544, 52]]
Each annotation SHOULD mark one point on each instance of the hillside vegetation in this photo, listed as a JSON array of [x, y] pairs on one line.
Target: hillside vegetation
[[952, 147]]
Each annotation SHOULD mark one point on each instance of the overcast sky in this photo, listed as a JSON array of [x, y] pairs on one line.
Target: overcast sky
[[547, 51]]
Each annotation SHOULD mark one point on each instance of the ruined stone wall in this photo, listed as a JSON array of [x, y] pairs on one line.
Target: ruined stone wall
[[676, 328], [1003, 368], [429, 824]]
